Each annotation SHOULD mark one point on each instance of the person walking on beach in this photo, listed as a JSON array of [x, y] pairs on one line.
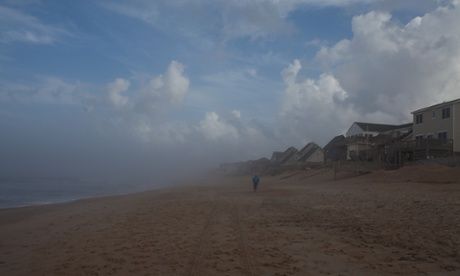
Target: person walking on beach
[[255, 182]]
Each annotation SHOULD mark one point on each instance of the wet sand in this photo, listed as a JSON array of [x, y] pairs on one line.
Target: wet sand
[[403, 222]]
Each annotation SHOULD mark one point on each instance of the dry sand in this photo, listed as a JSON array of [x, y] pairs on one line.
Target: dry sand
[[404, 222]]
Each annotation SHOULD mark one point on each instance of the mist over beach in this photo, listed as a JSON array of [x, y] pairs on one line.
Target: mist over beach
[[211, 137]]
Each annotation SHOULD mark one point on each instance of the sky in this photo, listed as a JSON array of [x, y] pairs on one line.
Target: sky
[[135, 90]]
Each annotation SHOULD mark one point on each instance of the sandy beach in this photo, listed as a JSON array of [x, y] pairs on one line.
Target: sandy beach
[[404, 222]]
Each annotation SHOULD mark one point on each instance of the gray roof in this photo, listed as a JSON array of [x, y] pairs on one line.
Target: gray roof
[[375, 127], [282, 157], [338, 140], [405, 125], [276, 155], [436, 106], [381, 127], [307, 151]]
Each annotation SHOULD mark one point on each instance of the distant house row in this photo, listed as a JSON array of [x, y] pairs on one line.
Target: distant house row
[[434, 132]]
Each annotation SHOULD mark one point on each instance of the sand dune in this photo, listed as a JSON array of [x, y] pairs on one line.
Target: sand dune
[[299, 223]]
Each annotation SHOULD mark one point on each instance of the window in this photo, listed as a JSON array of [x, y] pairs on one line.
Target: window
[[419, 138], [419, 118], [446, 113], [433, 114], [429, 136], [442, 136]]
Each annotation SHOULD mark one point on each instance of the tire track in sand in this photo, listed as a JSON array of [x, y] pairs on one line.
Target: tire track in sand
[[249, 267], [202, 242], [203, 245]]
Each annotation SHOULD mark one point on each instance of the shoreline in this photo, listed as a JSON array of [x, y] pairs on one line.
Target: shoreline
[[70, 200], [82, 199]]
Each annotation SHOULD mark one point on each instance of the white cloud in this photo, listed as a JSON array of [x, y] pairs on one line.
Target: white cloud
[[396, 69], [312, 109], [409, 5], [170, 88], [229, 138], [147, 96], [143, 106], [289, 74], [115, 89], [381, 74], [315, 43], [175, 84], [236, 114], [16, 26], [214, 128], [214, 137]]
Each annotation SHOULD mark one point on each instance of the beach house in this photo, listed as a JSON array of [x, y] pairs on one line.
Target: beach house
[[362, 138], [439, 122]]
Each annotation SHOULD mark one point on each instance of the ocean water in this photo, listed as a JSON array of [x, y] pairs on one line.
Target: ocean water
[[36, 191]]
